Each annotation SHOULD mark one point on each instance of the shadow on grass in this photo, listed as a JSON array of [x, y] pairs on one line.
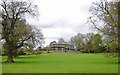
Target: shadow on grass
[[110, 62], [17, 62], [24, 62], [4, 62], [27, 57], [35, 62]]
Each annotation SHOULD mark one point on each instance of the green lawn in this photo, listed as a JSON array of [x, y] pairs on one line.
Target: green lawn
[[0, 65], [62, 63]]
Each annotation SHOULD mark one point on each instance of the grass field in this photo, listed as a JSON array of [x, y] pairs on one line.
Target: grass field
[[0, 65], [62, 63]]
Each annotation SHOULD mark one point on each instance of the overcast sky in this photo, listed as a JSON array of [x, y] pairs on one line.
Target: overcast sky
[[62, 18]]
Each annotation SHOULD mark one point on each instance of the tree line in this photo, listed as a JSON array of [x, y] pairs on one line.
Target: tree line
[[88, 43]]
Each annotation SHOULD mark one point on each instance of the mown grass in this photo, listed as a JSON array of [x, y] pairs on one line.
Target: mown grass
[[0, 65], [61, 63]]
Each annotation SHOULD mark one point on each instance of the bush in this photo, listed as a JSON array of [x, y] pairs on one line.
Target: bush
[[22, 54]]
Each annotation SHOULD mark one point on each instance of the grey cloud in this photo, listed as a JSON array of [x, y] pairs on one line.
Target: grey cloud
[[57, 24]]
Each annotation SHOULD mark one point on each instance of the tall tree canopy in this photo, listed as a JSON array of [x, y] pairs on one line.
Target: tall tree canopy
[[15, 30], [104, 18]]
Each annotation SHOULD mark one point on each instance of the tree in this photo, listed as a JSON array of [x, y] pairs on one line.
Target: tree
[[61, 40], [22, 33], [88, 42], [97, 42], [13, 12], [36, 41], [104, 18], [77, 41], [119, 30]]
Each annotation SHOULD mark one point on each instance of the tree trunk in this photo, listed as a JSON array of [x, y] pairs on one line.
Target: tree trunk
[[10, 57]]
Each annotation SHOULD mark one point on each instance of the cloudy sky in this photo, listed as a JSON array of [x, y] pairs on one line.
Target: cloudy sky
[[62, 18]]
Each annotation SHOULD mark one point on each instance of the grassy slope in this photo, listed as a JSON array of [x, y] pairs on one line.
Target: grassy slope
[[65, 63]]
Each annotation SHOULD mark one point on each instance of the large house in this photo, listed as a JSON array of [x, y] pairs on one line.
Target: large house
[[60, 46]]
